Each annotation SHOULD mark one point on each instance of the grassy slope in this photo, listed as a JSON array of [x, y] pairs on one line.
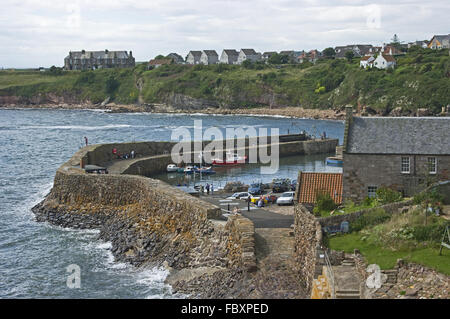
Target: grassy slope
[[422, 79]]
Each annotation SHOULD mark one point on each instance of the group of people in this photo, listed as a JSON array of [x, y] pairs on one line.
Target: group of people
[[207, 187], [115, 152]]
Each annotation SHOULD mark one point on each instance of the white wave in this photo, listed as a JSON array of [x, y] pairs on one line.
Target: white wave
[[79, 127]]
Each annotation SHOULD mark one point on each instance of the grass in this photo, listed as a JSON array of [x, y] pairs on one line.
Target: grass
[[386, 258]]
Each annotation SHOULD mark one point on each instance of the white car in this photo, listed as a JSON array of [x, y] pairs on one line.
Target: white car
[[240, 195], [287, 198]]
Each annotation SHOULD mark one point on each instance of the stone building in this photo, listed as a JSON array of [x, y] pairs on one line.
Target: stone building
[[91, 60], [229, 56], [209, 57], [403, 153], [193, 57]]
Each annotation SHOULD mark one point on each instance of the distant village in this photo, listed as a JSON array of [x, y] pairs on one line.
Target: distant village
[[381, 57]]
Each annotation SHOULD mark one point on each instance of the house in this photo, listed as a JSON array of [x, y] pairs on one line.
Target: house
[[391, 50], [193, 57], [358, 50], [309, 185], [158, 62], [229, 56], [440, 42], [314, 55], [209, 57], [289, 53], [178, 59], [248, 54], [91, 60], [384, 61], [423, 44], [266, 55], [366, 61], [403, 153]]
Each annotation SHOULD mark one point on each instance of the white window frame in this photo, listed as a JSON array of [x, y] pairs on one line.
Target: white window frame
[[409, 165], [373, 193], [429, 166]]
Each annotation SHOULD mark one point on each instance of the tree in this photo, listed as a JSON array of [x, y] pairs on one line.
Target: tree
[[278, 59], [329, 53], [159, 56], [111, 85], [349, 55]]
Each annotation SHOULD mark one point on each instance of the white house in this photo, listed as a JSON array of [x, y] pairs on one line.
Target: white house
[[209, 57], [229, 56], [366, 61], [248, 54], [384, 61], [193, 57]]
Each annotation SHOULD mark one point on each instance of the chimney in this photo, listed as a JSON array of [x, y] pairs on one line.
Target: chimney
[[131, 54], [348, 113]]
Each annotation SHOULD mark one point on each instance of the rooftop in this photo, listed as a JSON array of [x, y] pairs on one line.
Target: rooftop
[[399, 135], [310, 184]]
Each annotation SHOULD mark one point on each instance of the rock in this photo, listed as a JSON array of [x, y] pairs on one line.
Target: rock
[[411, 291]]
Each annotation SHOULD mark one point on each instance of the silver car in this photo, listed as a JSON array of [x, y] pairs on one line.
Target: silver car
[[240, 195], [287, 198]]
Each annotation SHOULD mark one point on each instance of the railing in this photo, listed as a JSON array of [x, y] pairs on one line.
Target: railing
[[330, 274]]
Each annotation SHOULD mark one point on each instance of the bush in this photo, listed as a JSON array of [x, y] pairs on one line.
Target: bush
[[387, 195], [324, 202], [376, 217], [431, 233], [111, 84]]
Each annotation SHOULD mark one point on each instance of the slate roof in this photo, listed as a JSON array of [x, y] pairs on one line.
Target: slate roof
[[231, 52], [210, 52], [312, 183], [99, 54], [195, 53], [399, 135], [441, 38], [248, 51]]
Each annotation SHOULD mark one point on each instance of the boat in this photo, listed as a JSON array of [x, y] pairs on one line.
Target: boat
[[205, 170], [335, 161], [172, 168], [231, 159], [189, 170]]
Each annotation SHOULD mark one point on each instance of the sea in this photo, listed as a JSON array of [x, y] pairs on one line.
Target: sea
[[37, 259]]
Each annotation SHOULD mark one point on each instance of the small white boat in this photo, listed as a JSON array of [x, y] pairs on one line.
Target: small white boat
[[189, 170], [172, 168]]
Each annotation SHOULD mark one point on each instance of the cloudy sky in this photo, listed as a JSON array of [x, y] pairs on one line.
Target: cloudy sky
[[42, 32]]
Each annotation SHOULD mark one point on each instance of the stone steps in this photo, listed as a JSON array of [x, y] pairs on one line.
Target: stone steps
[[348, 294]]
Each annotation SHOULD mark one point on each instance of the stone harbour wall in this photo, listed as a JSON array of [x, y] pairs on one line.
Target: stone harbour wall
[[308, 240]]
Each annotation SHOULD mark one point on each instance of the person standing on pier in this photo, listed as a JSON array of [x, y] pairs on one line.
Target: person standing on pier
[[86, 140]]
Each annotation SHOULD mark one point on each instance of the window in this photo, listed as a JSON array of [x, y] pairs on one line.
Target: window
[[432, 165], [405, 165], [371, 191]]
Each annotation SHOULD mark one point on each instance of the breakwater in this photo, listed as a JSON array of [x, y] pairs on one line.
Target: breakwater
[[148, 222]]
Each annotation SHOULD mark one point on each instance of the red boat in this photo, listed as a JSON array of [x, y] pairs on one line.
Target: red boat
[[231, 159]]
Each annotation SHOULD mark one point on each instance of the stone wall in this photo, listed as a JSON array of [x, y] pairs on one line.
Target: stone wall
[[363, 170], [147, 220], [336, 220], [308, 240]]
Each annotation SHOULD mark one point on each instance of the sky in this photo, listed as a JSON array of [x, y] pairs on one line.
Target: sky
[[36, 33]]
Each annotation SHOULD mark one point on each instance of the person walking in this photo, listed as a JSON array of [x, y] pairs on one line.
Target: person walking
[[207, 189], [86, 140]]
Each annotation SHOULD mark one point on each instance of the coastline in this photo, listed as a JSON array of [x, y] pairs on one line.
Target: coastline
[[288, 112]]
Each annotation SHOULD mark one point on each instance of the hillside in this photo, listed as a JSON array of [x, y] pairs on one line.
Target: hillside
[[421, 80]]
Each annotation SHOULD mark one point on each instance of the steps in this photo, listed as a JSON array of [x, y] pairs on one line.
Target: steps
[[391, 276], [348, 262], [347, 294]]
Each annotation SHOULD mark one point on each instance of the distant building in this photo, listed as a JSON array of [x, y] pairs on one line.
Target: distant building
[[193, 57], [91, 60], [403, 153], [366, 61], [266, 55], [359, 50], [229, 56], [440, 42], [391, 50], [311, 184], [248, 54], [423, 44], [178, 59], [158, 62], [209, 57], [384, 61]]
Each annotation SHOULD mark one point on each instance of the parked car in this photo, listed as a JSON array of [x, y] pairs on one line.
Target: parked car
[[287, 198], [255, 199], [240, 195], [279, 187], [255, 189], [293, 186]]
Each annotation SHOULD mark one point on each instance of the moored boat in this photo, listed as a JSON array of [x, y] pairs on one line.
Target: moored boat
[[335, 161], [172, 168], [231, 159]]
